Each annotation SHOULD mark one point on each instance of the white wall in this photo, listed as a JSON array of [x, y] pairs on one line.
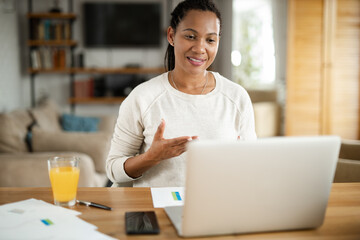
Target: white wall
[[222, 62], [280, 38], [10, 75]]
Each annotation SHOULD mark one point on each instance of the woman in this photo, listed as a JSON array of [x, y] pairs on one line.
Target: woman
[[162, 115]]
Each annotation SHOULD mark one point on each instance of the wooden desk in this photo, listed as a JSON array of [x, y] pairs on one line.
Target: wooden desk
[[342, 219]]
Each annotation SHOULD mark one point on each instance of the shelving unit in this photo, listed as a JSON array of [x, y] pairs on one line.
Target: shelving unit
[[37, 44], [50, 43]]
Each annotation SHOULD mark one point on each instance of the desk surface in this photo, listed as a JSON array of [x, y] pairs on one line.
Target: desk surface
[[342, 220]]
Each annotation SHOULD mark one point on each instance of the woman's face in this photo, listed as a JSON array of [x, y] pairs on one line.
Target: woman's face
[[196, 41]]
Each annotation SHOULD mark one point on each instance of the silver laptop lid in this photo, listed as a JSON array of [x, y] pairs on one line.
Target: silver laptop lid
[[252, 186]]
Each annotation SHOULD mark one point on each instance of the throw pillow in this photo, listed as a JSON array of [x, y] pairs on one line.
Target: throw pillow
[[13, 130], [96, 145], [47, 115], [74, 123]]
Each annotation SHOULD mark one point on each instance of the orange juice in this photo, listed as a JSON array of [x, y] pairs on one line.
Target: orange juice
[[64, 181]]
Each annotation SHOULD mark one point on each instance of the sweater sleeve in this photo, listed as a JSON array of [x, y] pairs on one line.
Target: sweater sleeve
[[241, 99], [247, 120], [126, 141]]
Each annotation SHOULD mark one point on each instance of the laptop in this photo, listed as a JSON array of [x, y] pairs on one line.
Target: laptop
[[270, 184]]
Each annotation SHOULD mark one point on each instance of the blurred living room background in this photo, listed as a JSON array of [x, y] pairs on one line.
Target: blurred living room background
[[298, 59]]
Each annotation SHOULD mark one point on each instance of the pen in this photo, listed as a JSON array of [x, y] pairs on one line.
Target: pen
[[92, 204]]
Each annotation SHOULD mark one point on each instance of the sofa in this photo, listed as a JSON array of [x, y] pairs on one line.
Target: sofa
[[29, 137], [348, 166]]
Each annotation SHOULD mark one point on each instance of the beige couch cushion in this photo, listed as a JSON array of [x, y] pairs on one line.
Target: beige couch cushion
[[13, 130], [96, 145], [31, 170], [348, 167], [350, 149], [107, 123], [47, 115], [347, 171]]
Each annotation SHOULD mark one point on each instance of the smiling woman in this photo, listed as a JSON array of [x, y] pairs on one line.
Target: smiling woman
[[194, 103]]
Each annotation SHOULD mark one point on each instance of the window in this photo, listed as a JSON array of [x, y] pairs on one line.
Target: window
[[253, 54]]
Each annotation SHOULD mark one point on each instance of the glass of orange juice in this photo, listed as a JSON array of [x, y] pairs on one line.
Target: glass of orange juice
[[64, 174]]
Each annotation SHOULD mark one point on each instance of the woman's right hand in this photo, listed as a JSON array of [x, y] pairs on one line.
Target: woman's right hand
[[159, 150], [162, 148]]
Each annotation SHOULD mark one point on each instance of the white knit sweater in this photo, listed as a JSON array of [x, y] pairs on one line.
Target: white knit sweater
[[224, 113]]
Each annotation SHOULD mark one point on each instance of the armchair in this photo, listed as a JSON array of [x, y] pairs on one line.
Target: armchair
[[348, 166]]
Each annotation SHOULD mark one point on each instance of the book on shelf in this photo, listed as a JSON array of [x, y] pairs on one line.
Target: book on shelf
[[46, 29], [67, 31], [59, 58], [62, 58], [41, 32], [35, 59], [46, 57], [58, 31], [55, 58], [84, 88], [34, 29], [50, 58]]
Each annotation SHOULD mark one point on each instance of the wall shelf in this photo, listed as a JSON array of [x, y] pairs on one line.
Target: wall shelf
[[158, 70], [53, 43], [52, 15], [119, 70], [54, 70]]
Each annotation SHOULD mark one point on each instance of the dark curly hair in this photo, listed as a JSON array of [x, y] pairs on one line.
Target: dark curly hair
[[178, 14]]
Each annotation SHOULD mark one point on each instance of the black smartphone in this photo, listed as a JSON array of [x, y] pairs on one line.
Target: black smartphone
[[141, 223]]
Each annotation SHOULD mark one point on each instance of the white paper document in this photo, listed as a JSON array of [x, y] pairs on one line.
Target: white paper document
[[167, 196], [36, 219]]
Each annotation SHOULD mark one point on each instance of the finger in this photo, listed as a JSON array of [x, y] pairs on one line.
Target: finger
[[194, 137], [160, 131], [178, 141]]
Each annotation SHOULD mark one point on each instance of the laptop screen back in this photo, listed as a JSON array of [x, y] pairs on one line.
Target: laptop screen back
[[252, 186]]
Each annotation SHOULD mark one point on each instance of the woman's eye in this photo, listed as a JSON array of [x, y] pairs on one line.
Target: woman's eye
[[211, 40], [190, 36]]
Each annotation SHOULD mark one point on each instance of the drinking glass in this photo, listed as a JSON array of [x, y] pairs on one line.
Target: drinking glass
[[64, 177]]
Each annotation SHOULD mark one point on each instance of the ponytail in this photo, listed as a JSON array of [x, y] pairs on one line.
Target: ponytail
[[169, 58]]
